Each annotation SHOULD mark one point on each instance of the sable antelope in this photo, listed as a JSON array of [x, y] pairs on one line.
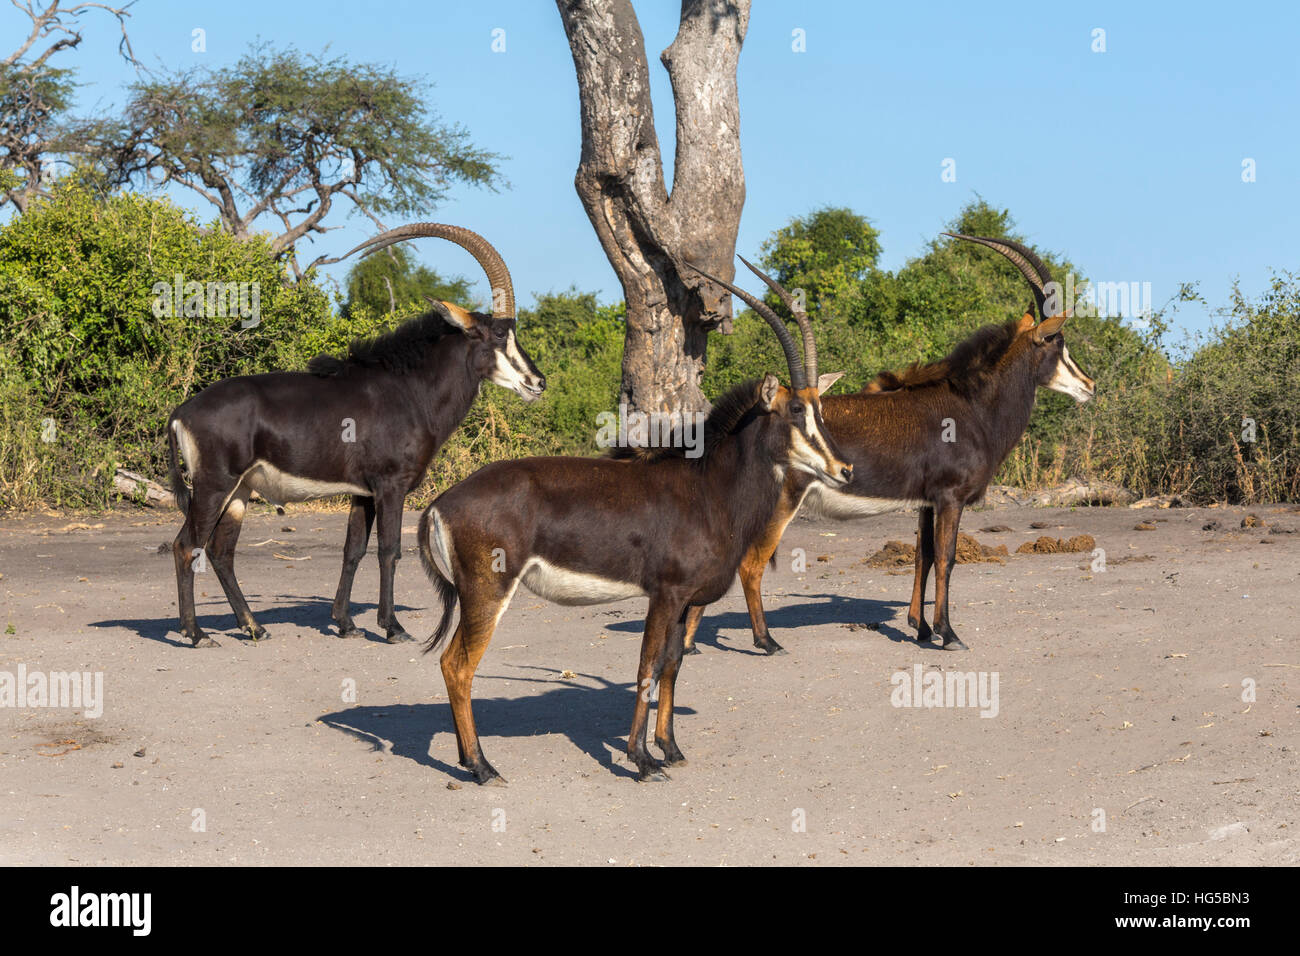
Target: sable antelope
[[641, 523], [366, 425], [930, 436]]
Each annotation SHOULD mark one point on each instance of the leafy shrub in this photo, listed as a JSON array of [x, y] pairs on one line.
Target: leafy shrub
[[90, 364], [94, 342]]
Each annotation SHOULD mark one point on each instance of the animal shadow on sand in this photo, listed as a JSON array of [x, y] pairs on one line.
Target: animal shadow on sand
[[587, 715], [818, 609], [311, 614]]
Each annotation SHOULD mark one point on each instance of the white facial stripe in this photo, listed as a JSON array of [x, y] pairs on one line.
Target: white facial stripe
[[1073, 367], [511, 369], [514, 354], [811, 453], [805, 457], [815, 434], [504, 372], [1069, 379]]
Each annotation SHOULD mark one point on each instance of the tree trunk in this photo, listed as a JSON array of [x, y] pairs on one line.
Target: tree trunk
[[647, 233]]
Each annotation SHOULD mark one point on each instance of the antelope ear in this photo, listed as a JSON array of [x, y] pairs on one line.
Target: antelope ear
[[824, 382], [1049, 326], [1026, 322], [452, 313], [767, 391]]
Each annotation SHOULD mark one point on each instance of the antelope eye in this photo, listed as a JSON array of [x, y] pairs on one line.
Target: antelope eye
[[796, 408]]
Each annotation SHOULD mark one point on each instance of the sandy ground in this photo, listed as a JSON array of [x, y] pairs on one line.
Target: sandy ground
[[1119, 692]]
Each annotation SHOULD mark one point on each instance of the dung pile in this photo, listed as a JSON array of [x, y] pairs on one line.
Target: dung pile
[[1046, 545], [896, 554], [970, 551]]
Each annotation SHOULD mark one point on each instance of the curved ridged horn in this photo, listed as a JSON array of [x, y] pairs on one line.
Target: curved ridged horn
[[797, 377], [800, 317], [1023, 258], [478, 247]]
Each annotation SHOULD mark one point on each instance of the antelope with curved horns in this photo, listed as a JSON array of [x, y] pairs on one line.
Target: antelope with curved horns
[[931, 436], [366, 425], [641, 523]]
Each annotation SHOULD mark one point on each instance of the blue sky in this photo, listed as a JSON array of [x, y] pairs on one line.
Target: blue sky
[[1128, 161]]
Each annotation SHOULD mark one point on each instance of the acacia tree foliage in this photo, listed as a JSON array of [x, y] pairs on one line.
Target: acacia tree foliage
[[286, 137], [647, 232], [824, 253], [393, 282], [35, 95]]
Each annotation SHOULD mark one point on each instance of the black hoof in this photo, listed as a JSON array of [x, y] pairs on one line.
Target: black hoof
[[954, 644], [768, 646], [487, 777], [257, 634], [400, 637], [350, 631], [204, 641], [673, 756], [693, 649], [648, 769]]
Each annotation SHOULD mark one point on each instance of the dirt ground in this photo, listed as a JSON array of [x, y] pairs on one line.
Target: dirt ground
[[1120, 692]]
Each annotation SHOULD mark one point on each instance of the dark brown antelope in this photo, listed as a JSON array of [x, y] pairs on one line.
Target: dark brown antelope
[[930, 436], [366, 425], [641, 523]]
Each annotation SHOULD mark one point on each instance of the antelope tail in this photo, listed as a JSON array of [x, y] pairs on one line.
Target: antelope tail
[[442, 584]]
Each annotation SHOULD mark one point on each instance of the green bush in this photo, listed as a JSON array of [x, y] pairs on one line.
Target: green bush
[[93, 342], [91, 370]]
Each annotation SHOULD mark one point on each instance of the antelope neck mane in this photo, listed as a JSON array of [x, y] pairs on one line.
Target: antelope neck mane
[[730, 413], [966, 369], [404, 349]]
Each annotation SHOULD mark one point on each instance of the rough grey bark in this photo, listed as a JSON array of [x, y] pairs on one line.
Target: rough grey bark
[[646, 232]]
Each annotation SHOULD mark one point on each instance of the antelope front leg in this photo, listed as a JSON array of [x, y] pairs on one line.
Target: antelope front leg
[[360, 520], [388, 512], [924, 561], [947, 520], [751, 581]]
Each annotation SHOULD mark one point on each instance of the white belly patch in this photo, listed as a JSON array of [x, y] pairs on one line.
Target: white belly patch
[[279, 487], [823, 502], [574, 587]]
